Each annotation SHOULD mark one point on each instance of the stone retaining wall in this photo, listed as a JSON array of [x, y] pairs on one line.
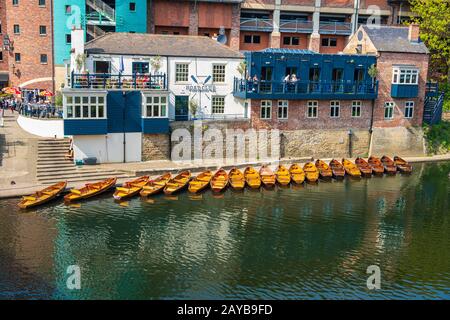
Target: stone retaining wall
[[292, 143]]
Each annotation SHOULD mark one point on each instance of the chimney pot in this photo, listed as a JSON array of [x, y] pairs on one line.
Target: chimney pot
[[414, 33]]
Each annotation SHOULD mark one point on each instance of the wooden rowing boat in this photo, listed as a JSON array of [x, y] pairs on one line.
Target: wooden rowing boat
[[364, 167], [283, 175], [178, 183], [325, 171], [377, 166], [130, 188], [219, 181], [155, 186], [389, 165], [268, 178], [402, 165], [237, 179], [297, 173], [200, 182], [252, 178], [338, 169], [311, 172], [43, 196], [351, 169], [90, 190]]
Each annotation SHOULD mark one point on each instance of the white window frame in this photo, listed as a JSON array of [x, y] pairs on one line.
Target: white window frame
[[266, 104], [177, 64], [335, 105], [314, 104], [356, 105], [224, 74], [152, 104], [283, 105], [214, 99], [389, 105], [409, 110], [70, 102], [405, 75]]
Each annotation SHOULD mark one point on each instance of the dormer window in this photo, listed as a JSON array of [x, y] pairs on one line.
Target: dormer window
[[405, 75]]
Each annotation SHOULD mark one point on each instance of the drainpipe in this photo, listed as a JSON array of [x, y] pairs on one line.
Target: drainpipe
[[53, 49], [371, 127], [124, 94]]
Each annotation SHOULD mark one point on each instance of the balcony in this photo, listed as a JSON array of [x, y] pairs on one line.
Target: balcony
[[337, 28], [404, 90], [320, 90], [296, 26], [102, 81], [256, 24]]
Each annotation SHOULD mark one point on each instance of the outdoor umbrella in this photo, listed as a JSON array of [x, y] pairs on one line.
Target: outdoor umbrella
[[46, 93], [11, 90]]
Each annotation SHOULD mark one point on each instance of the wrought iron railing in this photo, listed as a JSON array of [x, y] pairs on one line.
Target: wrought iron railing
[[256, 24], [297, 26], [118, 81], [305, 87], [341, 28]]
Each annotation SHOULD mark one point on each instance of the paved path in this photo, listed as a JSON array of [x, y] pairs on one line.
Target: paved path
[[18, 151]]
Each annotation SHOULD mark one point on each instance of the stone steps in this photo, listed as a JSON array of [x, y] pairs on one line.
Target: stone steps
[[53, 167]]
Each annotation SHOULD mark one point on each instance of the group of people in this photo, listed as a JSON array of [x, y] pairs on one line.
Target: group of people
[[12, 104], [289, 81], [39, 109]]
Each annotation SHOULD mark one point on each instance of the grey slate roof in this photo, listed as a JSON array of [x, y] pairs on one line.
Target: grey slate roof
[[394, 39], [163, 45]]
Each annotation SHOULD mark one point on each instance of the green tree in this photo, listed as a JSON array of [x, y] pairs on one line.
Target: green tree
[[433, 17]]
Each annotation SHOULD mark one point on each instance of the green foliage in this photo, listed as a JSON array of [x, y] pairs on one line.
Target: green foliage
[[193, 107], [156, 63], [372, 71], [59, 99], [80, 61], [446, 88], [433, 17], [242, 68], [438, 137]]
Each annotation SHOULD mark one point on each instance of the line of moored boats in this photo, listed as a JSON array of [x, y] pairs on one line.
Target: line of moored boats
[[221, 179]]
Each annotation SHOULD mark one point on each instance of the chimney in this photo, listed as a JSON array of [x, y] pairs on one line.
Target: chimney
[[77, 47], [414, 33]]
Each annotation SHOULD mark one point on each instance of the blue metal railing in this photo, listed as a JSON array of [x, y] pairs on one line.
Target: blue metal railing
[[262, 87], [118, 81], [432, 89], [256, 24], [432, 112], [296, 26], [341, 28]]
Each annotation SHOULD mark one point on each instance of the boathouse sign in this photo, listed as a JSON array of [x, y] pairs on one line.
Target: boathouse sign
[[199, 86]]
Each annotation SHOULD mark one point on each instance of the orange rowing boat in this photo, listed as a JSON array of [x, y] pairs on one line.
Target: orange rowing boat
[[389, 165], [364, 167], [338, 169]]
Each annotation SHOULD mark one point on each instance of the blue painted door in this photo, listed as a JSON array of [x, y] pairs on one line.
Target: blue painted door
[[124, 111], [181, 108]]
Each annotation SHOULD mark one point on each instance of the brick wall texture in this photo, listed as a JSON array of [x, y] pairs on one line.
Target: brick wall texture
[[29, 16]]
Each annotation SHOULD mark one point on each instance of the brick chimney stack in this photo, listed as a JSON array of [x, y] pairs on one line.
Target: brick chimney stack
[[414, 33]]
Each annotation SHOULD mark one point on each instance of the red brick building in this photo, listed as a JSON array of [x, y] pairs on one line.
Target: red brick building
[[27, 59], [319, 25], [402, 64]]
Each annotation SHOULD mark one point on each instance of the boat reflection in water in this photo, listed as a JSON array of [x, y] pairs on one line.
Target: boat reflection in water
[[301, 242]]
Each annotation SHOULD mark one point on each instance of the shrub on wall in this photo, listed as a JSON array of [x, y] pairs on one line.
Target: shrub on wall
[[437, 138]]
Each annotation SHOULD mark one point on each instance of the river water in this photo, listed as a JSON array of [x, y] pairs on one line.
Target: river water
[[306, 242]]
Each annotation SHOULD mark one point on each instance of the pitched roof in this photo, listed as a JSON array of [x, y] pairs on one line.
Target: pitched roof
[[394, 39], [145, 44]]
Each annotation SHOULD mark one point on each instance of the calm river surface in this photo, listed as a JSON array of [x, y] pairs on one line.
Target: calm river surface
[[309, 242]]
